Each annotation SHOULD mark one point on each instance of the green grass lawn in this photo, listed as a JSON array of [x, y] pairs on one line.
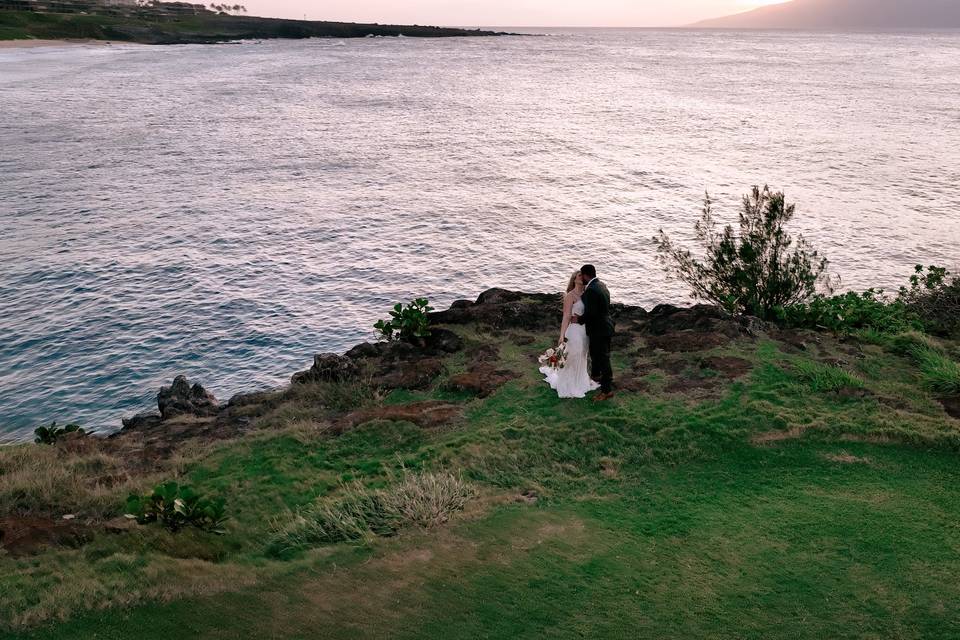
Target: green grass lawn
[[818, 496]]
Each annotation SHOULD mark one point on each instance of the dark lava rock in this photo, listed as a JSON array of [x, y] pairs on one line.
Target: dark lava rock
[[23, 535], [181, 399], [142, 421], [432, 413], [503, 309], [688, 340], [364, 350], [951, 405], [442, 341], [328, 367], [701, 318], [408, 374]]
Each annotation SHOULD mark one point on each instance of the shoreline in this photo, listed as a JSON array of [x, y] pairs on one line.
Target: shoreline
[[41, 43]]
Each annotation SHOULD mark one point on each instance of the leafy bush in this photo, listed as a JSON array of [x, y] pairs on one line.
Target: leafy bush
[[425, 500], [825, 377], [50, 434], [755, 271], [848, 312], [409, 322], [934, 297], [176, 507]]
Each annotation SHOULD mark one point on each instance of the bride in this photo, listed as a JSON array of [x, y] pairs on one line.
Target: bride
[[573, 380]]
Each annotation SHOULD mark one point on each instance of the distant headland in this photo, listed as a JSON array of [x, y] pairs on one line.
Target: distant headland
[[182, 23], [845, 14]]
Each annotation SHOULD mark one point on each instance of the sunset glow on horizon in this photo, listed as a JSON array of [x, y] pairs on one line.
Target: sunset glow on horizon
[[526, 13]]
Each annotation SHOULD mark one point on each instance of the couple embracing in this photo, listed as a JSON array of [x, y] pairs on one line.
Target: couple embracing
[[585, 332]]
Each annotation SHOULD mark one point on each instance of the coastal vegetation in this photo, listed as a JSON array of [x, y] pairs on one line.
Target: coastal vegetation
[[787, 477], [755, 270], [790, 482], [407, 322], [197, 28]]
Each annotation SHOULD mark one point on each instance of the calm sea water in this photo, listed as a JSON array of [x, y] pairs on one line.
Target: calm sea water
[[227, 211]]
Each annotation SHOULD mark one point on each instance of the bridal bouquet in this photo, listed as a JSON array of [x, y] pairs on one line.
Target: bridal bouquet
[[554, 358]]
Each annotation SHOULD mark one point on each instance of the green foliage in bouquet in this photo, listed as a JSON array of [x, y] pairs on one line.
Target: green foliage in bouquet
[[50, 434], [176, 507], [407, 322], [755, 269]]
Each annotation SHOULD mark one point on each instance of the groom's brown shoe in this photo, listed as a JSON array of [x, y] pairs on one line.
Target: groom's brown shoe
[[603, 397]]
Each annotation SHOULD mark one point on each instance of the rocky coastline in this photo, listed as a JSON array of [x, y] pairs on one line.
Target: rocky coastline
[[188, 411], [206, 28]]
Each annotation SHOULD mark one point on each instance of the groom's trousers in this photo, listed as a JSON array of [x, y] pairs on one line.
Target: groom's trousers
[[600, 368]]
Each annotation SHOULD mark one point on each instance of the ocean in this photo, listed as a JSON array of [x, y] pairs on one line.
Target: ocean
[[226, 212]]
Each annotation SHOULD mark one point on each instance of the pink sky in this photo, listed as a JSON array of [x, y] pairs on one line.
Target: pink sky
[[566, 13]]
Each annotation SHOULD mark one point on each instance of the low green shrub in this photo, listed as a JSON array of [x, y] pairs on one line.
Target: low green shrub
[[934, 298], [423, 499], [825, 377], [175, 507], [50, 434], [407, 322], [850, 312]]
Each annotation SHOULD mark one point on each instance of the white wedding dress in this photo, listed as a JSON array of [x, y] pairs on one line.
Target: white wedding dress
[[573, 381]]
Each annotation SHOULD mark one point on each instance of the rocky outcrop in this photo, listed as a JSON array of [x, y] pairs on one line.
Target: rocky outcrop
[[405, 365], [181, 399], [328, 367], [503, 309], [951, 405]]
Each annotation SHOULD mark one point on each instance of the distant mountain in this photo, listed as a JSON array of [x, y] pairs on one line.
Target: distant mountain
[[846, 14]]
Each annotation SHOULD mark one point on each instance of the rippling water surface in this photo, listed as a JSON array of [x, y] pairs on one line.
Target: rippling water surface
[[227, 211]]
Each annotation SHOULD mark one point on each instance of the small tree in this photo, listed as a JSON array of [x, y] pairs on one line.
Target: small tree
[[756, 271]]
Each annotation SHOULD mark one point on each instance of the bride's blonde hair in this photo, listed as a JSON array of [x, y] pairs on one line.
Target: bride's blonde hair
[[572, 284]]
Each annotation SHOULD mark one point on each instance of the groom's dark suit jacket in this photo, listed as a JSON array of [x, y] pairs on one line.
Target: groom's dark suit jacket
[[596, 313]]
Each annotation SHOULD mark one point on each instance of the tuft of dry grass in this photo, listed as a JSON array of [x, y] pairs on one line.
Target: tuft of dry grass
[[418, 499], [316, 402], [50, 481]]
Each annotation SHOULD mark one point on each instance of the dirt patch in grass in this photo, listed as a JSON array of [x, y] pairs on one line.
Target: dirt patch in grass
[[687, 385], [430, 413], [482, 379], [686, 341], [25, 535], [846, 458], [729, 367], [772, 437]]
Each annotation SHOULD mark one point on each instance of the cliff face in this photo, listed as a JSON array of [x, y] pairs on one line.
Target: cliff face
[[845, 14]]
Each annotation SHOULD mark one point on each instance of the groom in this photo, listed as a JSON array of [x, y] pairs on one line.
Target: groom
[[596, 320]]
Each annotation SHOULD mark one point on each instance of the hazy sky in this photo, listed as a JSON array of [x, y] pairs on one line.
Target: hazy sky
[[601, 13]]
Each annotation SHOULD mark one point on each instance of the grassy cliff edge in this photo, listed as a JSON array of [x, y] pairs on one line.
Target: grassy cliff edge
[[747, 481]]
